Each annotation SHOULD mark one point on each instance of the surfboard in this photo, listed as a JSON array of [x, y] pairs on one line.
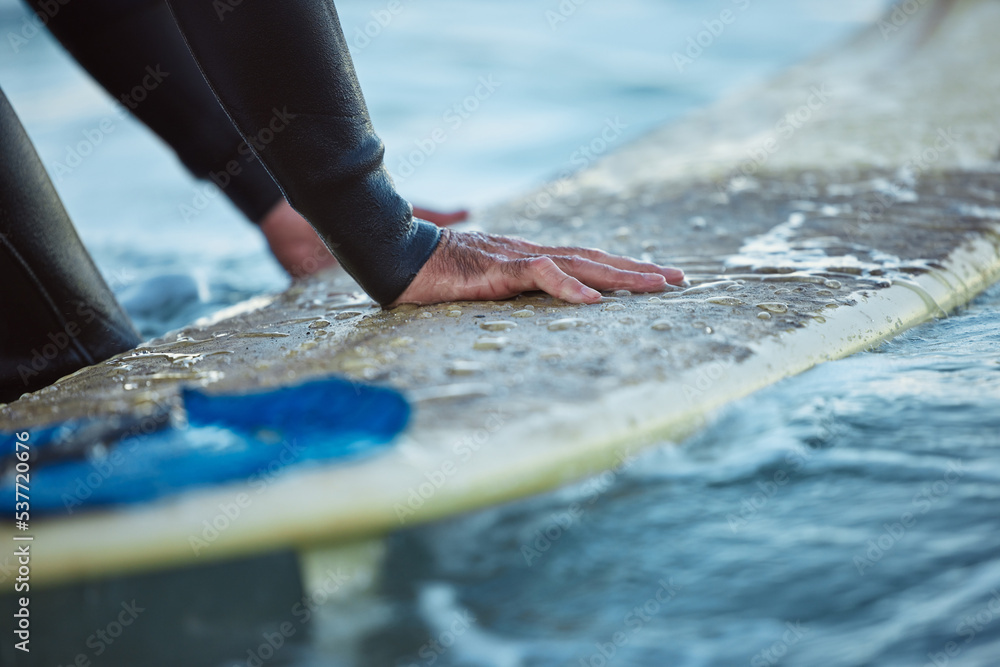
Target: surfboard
[[816, 215]]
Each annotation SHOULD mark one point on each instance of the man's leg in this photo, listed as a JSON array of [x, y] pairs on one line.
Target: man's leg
[[57, 314]]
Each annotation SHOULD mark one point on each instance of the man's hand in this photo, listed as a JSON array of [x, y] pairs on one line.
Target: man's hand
[[470, 266], [293, 242]]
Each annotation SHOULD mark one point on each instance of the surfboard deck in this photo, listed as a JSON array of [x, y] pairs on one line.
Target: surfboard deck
[[849, 199]]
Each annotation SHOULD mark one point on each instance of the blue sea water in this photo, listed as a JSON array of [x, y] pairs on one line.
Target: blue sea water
[[847, 516]]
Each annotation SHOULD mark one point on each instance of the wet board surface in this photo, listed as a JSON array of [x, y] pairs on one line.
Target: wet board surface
[[847, 200]]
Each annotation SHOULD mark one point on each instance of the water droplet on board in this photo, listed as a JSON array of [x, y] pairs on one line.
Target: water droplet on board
[[529, 307], [357, 365], [402, 341], [454, 312], [763, 315], [782, 290], [622, 292], [261, 334], [661, 325], [819, 318], [552, 353], [824, 292], [497, 325], [724, 301], [708, 287], [461, 367], [614, 307], [319, 324], [774, 306], [490, 343], [523, 313], [565, 323], [832, 284], [346, 314], [734, 288], [451, 392], [654, 299], [426, 315]]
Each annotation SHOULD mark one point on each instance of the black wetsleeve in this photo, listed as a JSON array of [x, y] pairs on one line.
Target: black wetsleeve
[[134, 49], [283, 73], [56, 312]]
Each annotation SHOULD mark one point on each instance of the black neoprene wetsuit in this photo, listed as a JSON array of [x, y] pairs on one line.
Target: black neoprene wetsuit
[[284, 77], [134, 49]]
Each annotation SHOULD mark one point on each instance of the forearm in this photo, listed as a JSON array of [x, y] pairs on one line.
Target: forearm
[[284, 75], [135, 51]]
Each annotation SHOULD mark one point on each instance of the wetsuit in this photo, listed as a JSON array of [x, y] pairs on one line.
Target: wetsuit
[[283, 73], [56, 312], [134, 49]]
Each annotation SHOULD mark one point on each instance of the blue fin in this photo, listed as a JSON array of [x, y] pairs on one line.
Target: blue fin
[[229, 437]]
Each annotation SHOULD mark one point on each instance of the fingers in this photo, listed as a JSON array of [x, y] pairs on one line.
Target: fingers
[[477, 266], [672, 275], [541, 273], [604, 277]]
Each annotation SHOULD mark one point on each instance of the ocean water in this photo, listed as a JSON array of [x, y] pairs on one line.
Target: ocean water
[[847, 516]]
